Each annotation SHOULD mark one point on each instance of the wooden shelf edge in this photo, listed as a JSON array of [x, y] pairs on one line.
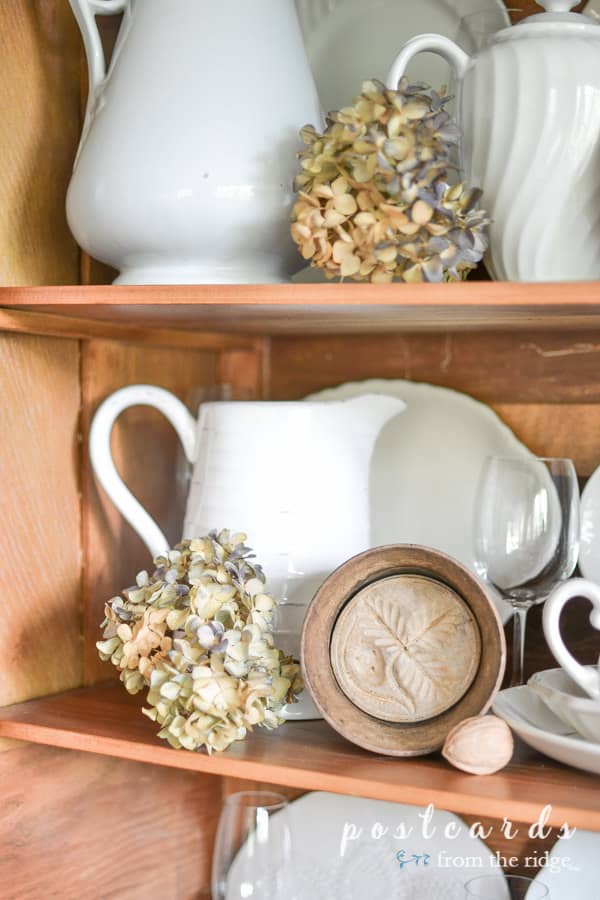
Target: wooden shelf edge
[[200, 315], [308, 756], [468, 293], [67, 326]]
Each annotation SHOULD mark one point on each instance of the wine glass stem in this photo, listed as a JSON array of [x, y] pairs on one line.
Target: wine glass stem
[[519, 624]]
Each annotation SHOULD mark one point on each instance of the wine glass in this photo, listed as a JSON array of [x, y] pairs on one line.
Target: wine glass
[[253, 849], [505, 887], [526, 533]]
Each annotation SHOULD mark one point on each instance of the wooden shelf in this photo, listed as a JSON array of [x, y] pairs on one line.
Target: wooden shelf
[[312, 308], [310, 756]]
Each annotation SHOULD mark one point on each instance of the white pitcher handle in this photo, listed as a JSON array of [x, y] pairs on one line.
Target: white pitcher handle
[[104, 467], [85, 11], [428, 43], [575, 587]]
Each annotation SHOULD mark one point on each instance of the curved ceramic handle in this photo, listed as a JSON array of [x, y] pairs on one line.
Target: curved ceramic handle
[[104, 467], [576, 587], [428, 43], [84, 11]]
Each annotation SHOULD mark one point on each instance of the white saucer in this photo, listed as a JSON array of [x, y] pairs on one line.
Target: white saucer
[[426, 466], [529, 717]]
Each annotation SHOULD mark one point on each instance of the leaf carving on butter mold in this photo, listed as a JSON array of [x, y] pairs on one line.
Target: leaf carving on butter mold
[[414, 647]]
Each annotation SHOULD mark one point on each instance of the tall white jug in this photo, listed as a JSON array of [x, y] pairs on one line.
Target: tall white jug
[[185, 167], [293, 476]]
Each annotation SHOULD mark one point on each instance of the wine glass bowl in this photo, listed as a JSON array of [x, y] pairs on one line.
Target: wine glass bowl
[[505, 887], [252, 857], [526, 533]]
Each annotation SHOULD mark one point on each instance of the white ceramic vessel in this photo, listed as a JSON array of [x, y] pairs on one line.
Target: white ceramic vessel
[[185, 168], [293, 476], [568, 701], [534, 723], [529, 108], [587, 677]]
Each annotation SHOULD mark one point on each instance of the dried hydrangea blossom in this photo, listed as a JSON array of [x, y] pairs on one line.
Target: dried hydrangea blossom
[[374, 198], [197, 633]]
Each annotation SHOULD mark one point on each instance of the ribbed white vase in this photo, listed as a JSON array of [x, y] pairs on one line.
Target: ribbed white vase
[[531, 120]]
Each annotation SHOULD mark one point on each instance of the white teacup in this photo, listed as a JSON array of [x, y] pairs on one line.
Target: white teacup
[[587, 677]]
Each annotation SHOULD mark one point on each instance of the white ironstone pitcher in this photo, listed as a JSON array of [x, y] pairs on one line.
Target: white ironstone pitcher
[[529, 110], [185, 167], [293, 476]]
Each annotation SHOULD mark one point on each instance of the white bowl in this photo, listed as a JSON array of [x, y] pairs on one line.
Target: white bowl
[[568, 701]]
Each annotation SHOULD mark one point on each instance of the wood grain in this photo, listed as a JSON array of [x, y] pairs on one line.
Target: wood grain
[[40, 612], [326, 309], [105, 719], [242, 372], [540, 367], [569, 430], [530, 296], [78, 825], [39, 132], [42, 323], [149, 458]]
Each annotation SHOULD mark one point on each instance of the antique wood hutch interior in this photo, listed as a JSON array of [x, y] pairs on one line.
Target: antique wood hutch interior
[[91, 804]]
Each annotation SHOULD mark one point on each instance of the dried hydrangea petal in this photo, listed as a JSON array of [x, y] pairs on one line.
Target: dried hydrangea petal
[[421, 212]]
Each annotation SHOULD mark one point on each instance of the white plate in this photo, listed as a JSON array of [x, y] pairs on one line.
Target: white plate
[[577, 875], [426, 465], [528, 717], [589, 546], [328, 865], [349, 41]]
